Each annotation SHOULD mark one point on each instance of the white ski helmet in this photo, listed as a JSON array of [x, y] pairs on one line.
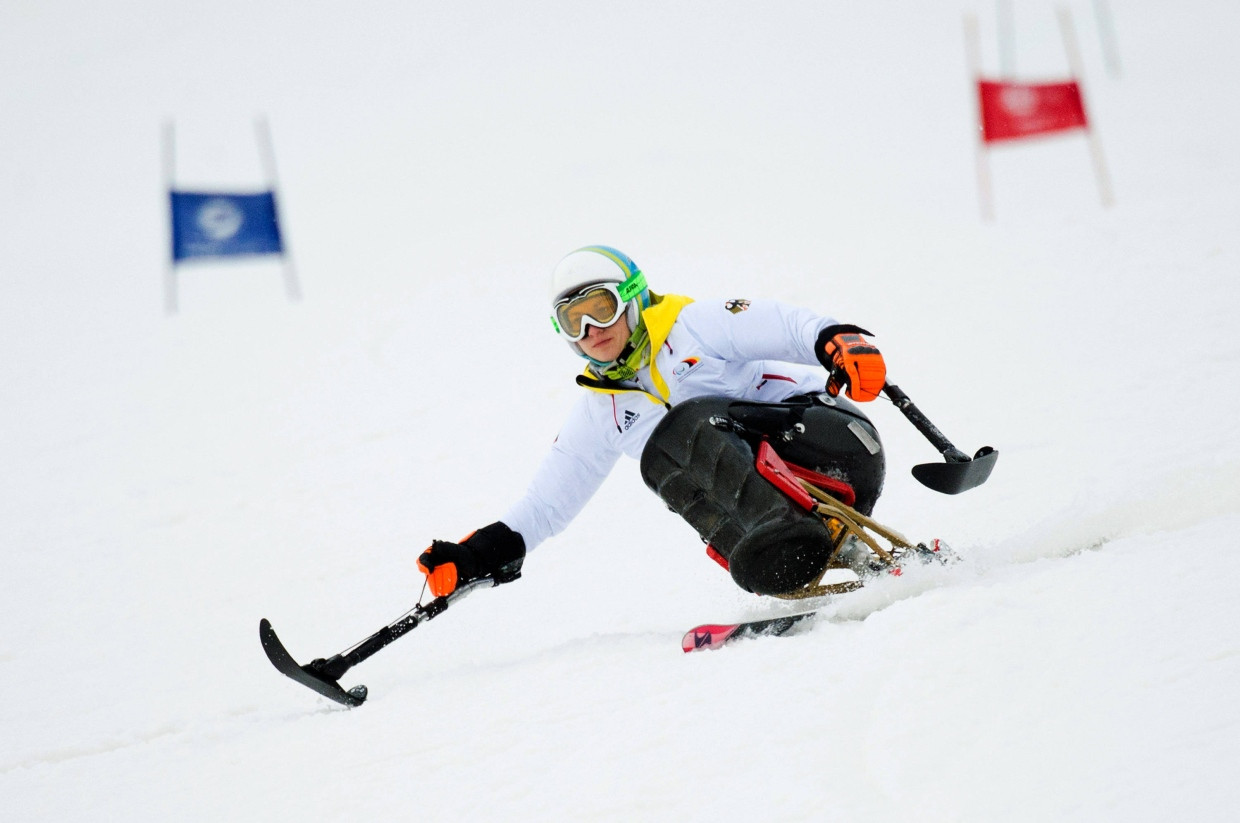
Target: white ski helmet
[[591, 266]]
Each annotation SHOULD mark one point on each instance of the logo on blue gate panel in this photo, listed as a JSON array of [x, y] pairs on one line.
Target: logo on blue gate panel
[[219, 219], [681, 369], [216, 224]]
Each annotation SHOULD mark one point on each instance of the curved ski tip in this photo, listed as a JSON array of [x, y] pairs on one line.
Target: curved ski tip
[[706, 637], [954, 478]]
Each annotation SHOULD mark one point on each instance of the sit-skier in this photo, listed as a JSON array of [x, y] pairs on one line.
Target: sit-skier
[[688, 388]]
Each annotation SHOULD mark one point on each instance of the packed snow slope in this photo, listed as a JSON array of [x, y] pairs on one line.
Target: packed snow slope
[[168, 481]]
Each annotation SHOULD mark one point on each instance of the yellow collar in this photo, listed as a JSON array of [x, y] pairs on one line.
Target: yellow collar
[[659, 319]]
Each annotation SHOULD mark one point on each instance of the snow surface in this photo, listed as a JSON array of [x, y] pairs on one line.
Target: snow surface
[[169, 481]]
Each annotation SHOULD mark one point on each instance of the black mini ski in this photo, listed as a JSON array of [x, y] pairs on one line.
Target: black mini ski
[[306, 675], [323, 675]]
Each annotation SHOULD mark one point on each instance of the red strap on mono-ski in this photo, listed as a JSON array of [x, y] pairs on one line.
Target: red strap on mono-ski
[[785, 477], [773, 468], [837, 488]]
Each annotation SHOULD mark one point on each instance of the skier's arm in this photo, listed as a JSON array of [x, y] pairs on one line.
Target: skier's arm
[[572, 471], [771, 330], [756, 330], [579, 461]]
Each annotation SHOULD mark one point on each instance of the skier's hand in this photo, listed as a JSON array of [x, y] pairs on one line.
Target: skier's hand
[[853, 361], [445, 564], [494, 551]]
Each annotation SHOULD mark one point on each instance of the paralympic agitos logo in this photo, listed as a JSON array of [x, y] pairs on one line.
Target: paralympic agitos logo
[[685, 366]]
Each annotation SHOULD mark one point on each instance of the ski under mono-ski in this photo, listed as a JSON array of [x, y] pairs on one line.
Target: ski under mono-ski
[[716, 635]]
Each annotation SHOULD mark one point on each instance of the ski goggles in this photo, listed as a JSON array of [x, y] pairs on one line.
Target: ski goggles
[[600, 305]]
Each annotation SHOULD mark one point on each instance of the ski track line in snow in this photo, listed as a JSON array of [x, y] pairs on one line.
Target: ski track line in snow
[[213, 727], [1175, 501], [65, 754]]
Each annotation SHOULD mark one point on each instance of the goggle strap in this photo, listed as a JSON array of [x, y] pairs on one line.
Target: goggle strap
[[632, 286]]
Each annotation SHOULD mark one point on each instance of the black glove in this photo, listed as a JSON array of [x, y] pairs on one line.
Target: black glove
[[494, 551]]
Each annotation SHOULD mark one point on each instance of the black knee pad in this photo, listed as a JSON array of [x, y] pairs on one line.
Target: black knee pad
[[706, 474]]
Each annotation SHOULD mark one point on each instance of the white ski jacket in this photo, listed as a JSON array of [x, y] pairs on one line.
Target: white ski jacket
[[751, 350]]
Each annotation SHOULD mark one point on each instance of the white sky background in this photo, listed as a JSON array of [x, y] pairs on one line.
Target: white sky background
[[168, 481]]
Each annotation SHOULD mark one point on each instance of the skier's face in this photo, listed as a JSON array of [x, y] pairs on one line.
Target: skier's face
[[605, 345]]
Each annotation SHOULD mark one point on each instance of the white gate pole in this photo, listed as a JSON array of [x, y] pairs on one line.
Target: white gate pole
[[973, 51], [268, 156], [170, 274], [1095, 145]]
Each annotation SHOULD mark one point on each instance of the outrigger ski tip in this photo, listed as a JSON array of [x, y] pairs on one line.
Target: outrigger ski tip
[[311, 676], [956, 476], [961, 472]]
